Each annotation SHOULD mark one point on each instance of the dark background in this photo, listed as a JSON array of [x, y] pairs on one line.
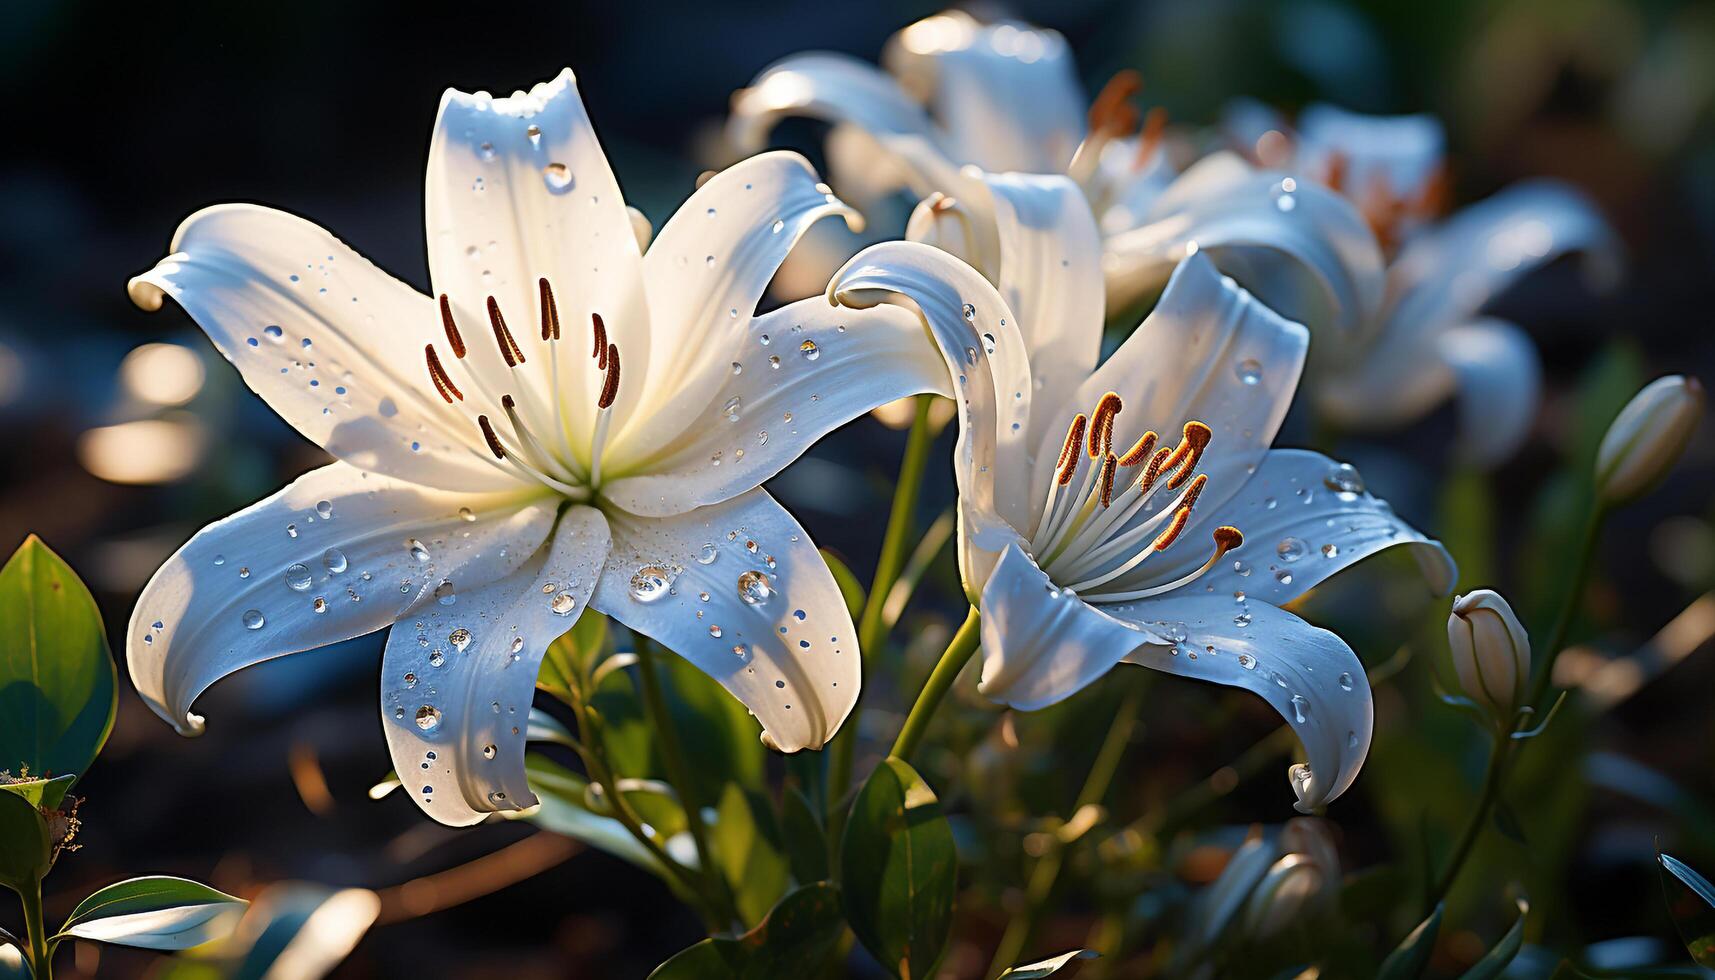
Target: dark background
[[125, 118]]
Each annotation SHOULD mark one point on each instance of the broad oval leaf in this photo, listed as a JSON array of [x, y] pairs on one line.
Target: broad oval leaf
[[898, 870], [155, 912], [45, 794], [57, 680], [1047, 967], [26, 850], [749, 852], [806, 842], [794, 940], [1691, 903], [1495, 961], [1412, 954]]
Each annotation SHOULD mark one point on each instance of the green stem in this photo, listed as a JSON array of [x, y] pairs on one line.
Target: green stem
[[666, 737], [1500, 748], [953, 659], [1569, 603], [872, 629], [1047, 870], [35, 932]]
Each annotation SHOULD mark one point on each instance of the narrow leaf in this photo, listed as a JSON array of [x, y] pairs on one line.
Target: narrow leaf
[[850, 588], [1495, 961], [155, 912], [899, 870], [58, 685], [1047, 967], [806, 841], [1691, 903], [1412, 954], [571, 656]]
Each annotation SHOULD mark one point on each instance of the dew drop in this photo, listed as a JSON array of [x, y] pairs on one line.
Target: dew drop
[[274, 333], [562, 604], [755, 588], [324, 509], [809, 349], [517, 644], [489, 751], [1283, 576], [253, 619], [445, 593], [320, 605], [1242, 619], [467, 515], [417, 550], [969, 312], [1299, 706], [334, 561], [1248, 371], [715, 631], [1247, 661], [734, 408], [428, 717], [650, 583], [708, 554], [459, 638], [1330, 550], [1291, 549], [741, 651], [558, 177], [1344, 479], [1345, 682], [298, 576]]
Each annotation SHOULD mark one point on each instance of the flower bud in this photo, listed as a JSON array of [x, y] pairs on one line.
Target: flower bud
[[1491, 652], [1297, 885], [1647, 437]]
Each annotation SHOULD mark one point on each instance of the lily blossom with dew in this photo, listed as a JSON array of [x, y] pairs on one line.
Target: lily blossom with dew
[[566, 422], [1429, 338], [960, 100], [1133, 511]]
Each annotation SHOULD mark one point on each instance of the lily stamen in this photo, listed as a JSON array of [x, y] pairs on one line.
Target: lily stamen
[[1190, 450], [1154, 126], [453, 336], [600, 350], [503, 337], [438, 374], [1140, 450], [1181, 515], [550, 312], [1102, 424], [1226, 538]]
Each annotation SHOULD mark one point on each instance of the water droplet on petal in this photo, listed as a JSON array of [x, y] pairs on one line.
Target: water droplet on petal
[[320, 605], [417, 550], [1249, 371], [1330, 551], [489, 751], [708, 554], [809, 349], [273, 332], [715, 631], [428, 717], [467, 515], [459, 638], [562, 604], [324, 509], [298, 576], [734, 408], [969, 312], [650, 583], [558, 177], [755, 588], [445, 594], [253, 619], [1345, 682], [1291, 549], [1344, 479], [334, 561], [1247, 661]]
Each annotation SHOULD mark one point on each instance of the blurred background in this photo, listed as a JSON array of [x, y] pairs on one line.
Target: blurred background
[[126, 432]]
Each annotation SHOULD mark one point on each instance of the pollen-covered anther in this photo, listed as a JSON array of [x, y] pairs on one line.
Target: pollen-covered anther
[[1102, 424], [940, 203], [550, 312], [1111, 112], [1228, 538], [1106, 479], [599, 352], [1181, 516], [438, 374], [454, 338], [503, 337], [1140, 450], [610, 383], [1188, 453], [1154, 126], [1069, 450], [488, 434], [1152, 472]]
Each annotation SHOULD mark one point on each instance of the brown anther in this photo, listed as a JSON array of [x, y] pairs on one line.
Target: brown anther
[[1189, 452], [507, 402], [1140, 450], [1102, 424], [1228, 538], [451, 328], [1194, 491], [1338, 167], [550, 312], [438, 375], [1152, 472], [610, 384], [494, 445], [599, 351], [1181, 516], [1111, 105], [1154, 125], [1069, 450], [943, 202], [503, 337], [1435, 194], [1109, 465]]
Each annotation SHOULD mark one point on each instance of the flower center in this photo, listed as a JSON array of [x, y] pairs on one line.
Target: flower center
[[1106, 513], [535, 442]]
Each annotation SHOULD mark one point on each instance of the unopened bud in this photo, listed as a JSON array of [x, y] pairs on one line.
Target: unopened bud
[[1297, 885], [1491, 652], [1647, 437]]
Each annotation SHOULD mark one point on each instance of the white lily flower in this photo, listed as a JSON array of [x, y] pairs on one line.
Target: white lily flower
[[960, 99], [1079, 516], [496, 471], [1428, 338]]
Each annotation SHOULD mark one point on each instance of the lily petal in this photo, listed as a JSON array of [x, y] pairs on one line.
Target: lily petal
[[1246, 364], [803, 371], [1304, 517], [519, 190], [1041, 643], [330, 342], [1500, 387], [337, 554], [1301, 248], [739, 589], [1006, 93], [980, 340], [1051, 276], [1398, 154], [843, 89], [457, 678], [1447, 273], [1307, 674], [707, 271]]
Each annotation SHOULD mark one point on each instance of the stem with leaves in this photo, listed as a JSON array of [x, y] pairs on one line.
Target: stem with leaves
[[41, 958], [1047, 870], [953, 659], [872, 628]]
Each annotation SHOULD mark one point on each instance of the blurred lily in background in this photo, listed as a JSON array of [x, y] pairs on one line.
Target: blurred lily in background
[[1274, 880], [1078, 520], [493, 479]]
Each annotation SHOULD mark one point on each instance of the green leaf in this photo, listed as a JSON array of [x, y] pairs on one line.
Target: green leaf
[[1495, 961], [794, 940], [851, 589], [748, 851], [563, 811], [899, 869], [155, 912], [1507, 822], [58, 685], [806, 841], [1047, 967], [1691, 903], [719, 737], [26, 849], [1412, 954], [44, 794], [573, 655]]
